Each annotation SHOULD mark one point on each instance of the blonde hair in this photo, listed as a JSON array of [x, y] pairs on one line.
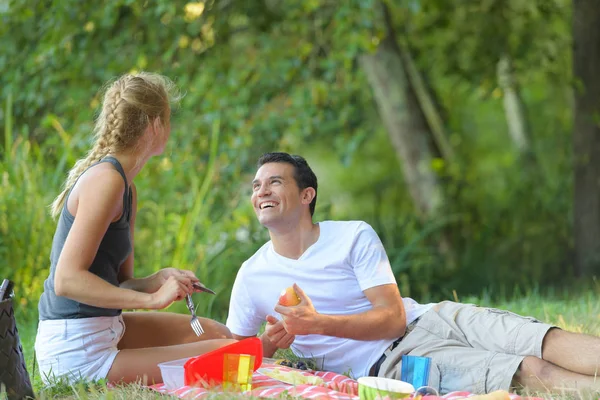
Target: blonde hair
[[130, 103]]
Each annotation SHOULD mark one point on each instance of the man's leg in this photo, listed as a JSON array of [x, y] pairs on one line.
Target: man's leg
[[575, 352], [540, 375], [554, 358]]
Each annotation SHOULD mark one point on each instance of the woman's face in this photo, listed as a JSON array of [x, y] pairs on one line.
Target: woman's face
[[162, 133]]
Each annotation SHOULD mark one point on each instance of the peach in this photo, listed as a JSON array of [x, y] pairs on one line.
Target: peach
[[289, 297]]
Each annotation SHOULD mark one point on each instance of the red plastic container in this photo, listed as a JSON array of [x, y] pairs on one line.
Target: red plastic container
[[208, 368]]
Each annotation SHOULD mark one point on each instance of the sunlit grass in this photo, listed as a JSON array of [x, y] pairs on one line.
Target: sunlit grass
[[83, 390], [576, 310]]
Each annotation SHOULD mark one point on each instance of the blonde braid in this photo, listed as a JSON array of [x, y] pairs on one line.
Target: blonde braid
[[130, 104], [108, 122], [113, 124]]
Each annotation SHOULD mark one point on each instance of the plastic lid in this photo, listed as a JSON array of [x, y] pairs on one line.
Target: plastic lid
[[208, 368]]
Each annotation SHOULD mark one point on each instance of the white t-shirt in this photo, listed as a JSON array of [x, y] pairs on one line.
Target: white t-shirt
[[347, 259]]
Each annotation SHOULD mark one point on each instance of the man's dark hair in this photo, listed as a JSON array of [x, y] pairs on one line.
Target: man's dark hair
[[304, 176]]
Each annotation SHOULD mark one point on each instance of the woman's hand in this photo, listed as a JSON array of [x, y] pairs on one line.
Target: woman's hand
[[159, 278], [173, 289]]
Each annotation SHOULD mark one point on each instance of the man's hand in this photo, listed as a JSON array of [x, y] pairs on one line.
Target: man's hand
[[277, 334], [300, 319]]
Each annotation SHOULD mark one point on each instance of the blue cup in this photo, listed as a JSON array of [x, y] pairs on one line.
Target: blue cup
[[415, 370]]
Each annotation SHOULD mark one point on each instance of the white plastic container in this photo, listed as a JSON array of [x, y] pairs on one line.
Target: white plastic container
[[172, 373]]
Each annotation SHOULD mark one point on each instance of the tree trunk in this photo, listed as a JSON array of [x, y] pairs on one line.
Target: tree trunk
[[428, 103], [514, 108], [405, 124], [586, 136]]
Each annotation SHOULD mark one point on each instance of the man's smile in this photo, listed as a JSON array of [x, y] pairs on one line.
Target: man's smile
[[267, 204]]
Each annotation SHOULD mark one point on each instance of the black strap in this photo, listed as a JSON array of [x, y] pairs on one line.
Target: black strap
[[127, 194], [375, 368], [374, 371]]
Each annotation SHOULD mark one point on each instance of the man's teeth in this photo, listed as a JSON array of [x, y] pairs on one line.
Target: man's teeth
[[267, 205]]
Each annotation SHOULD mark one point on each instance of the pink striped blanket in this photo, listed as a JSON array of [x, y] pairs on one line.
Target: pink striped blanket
[[334, 387]]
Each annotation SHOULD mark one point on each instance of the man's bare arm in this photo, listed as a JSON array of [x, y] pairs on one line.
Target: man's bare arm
[[386, 320]]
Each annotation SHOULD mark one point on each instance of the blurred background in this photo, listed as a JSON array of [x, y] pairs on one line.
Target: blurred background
[[465, 132]]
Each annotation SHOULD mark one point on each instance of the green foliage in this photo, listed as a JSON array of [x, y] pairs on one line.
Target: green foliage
[[468, 41], [266, 75], [24, 237]]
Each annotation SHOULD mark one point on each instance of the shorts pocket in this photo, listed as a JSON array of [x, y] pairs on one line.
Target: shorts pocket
[[453, 378], [103, 338], [434, 324], [498, 311]]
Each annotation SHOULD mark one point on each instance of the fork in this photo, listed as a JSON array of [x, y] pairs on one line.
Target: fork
[[195, 322]]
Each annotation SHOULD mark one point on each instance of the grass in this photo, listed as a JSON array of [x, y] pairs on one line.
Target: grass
[[577, 311]]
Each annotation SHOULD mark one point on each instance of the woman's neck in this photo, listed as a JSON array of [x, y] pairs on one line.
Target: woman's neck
[[131, 163]]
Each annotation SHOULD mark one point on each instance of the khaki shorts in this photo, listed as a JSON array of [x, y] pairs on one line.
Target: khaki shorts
[[472, 348]]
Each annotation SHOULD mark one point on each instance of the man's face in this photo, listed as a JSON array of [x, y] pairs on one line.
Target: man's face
[[275, 195]]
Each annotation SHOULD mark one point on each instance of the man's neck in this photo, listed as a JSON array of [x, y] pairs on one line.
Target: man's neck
[[295, 240]]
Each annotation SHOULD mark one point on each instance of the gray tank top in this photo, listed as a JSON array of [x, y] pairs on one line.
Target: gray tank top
[[113, 251]]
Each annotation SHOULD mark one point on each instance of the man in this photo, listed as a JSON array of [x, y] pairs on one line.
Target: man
[[352, 319]]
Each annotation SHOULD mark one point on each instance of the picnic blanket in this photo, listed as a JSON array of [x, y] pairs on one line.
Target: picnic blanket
[[334, 387]]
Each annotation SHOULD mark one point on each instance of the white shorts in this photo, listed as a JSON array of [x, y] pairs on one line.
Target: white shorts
[[77, 349]]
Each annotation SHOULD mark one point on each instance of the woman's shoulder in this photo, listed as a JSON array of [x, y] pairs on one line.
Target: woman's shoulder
[[102, 179], [98, 188]]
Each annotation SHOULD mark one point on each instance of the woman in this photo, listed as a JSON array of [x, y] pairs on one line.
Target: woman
[[82, 332]]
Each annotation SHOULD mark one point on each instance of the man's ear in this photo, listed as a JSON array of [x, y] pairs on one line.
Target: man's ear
[[308, 194]]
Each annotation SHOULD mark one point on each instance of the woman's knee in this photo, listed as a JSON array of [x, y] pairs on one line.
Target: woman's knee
[[215, 330]]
